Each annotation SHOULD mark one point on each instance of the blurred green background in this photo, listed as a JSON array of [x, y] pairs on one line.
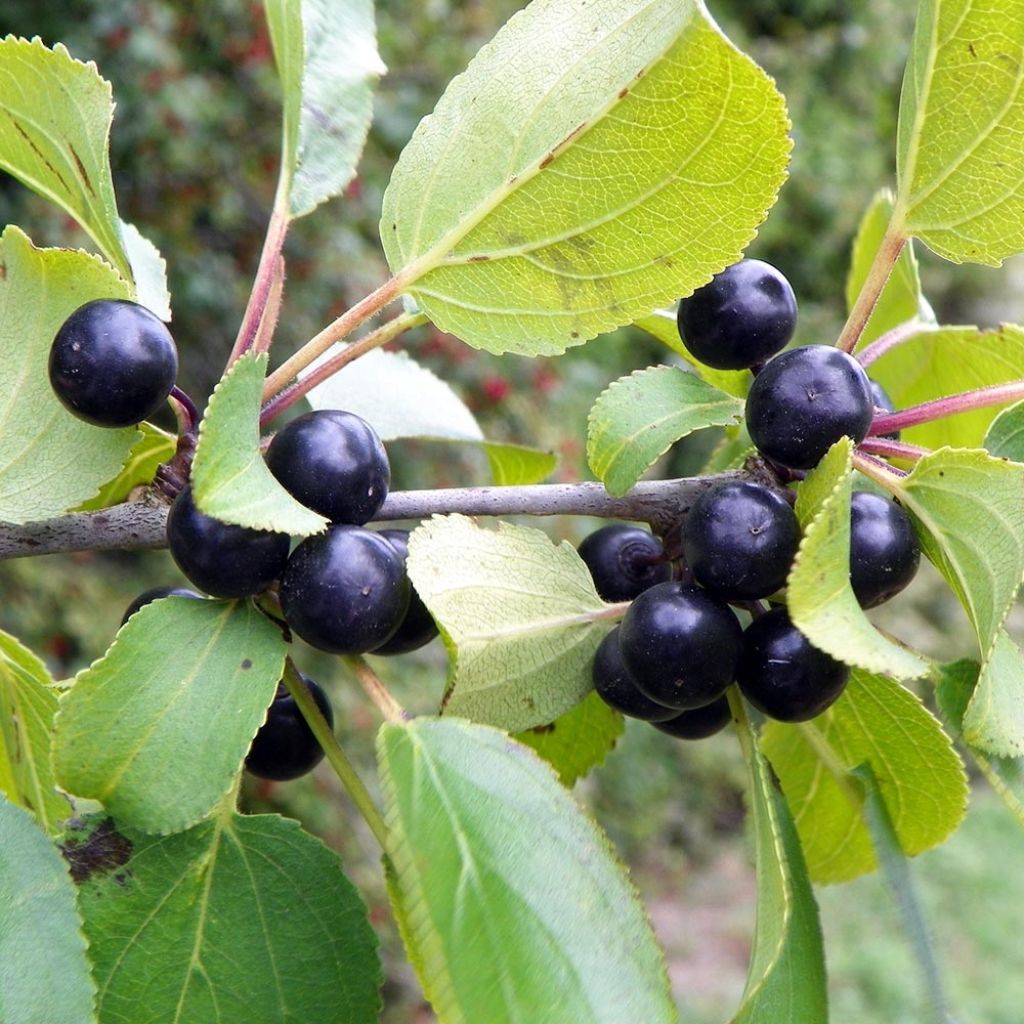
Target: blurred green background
[[194, 155]]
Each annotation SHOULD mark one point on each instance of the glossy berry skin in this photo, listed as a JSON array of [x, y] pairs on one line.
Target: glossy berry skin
[[417, 628], [882, 401], [284, 747], [345, 591], [699, 723], [616, 688], [113, 363], [154, 594], [740, 318], [783, 675], [219, 558], [739, 540], [334, 463], [884, 550], [680, 645], [805, 400], [624, 561]]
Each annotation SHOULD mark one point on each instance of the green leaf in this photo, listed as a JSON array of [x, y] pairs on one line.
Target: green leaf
[[637, 419], [786, 977], [516, 464], [326, 54], [632, 159], [28, 704], [901, 299], [1005, 437], [54, 136], [238, 919], [149, 269], [44, 971], [960, 125], [876, 722], [50, 461], [230, 480], [508, 897], [945, 362], [519, 615], [994, 721], [820, 599], [579, 740], [157, 728], [154, 449]]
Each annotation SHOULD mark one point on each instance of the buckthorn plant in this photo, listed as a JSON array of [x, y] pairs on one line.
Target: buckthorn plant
[[597, 166]]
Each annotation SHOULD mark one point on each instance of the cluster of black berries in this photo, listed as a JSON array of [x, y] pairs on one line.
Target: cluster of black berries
[[680, 644]]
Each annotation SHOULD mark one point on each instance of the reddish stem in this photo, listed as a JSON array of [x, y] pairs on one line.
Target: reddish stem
[[939, 408], [892, 339], [893, 449]]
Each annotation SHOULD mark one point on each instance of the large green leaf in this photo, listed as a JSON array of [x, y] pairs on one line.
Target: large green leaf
[[50, 461], [157, 728], [636, 419], [44, 971], [238, 919], [960, 126], [230, 480], [593, 163], [994, 721], [327, 59], [519, 615], [786, 978], [154, 449], [510, 901], [945, 362], [820, 599], [578, 741], [879, 723], [28, 704], [1005, 436], [54, 136]]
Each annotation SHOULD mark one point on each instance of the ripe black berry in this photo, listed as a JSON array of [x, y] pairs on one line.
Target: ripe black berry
[[334, 463], [285, 747], [882, 401], [700, 722], [782, 674], [740, 318], [680, 645], [805, 400], [616, 688], [154, 594], [624, 561], [113, 363], [739, 541], [219, 558], [417, 628], [884, 550], [345, 591]]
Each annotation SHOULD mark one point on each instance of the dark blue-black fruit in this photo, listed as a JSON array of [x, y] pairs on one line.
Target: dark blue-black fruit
[[616, 688], [113, 363], [417, 628], [739, 540], [782, 674], [285, 747], [624, 561], [742, 317], [220, 558], [805, 400], [698, 723], [154, 594], [345, 591], [884, 550], [334, 463]]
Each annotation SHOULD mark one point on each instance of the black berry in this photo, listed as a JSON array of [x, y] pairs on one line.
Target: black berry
[[740, 318], [417, 628], [334, 463], [219, 558], [782, 674], [700, 722], [680, 645], [739, 540], [285, 747], [884, 403], [616, 688], [345, 591], [154, 594], [624, 561], [805, 400], [113, 363], [884, 550]]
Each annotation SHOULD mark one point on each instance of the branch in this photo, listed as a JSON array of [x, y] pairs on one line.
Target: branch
[[662, 504]]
